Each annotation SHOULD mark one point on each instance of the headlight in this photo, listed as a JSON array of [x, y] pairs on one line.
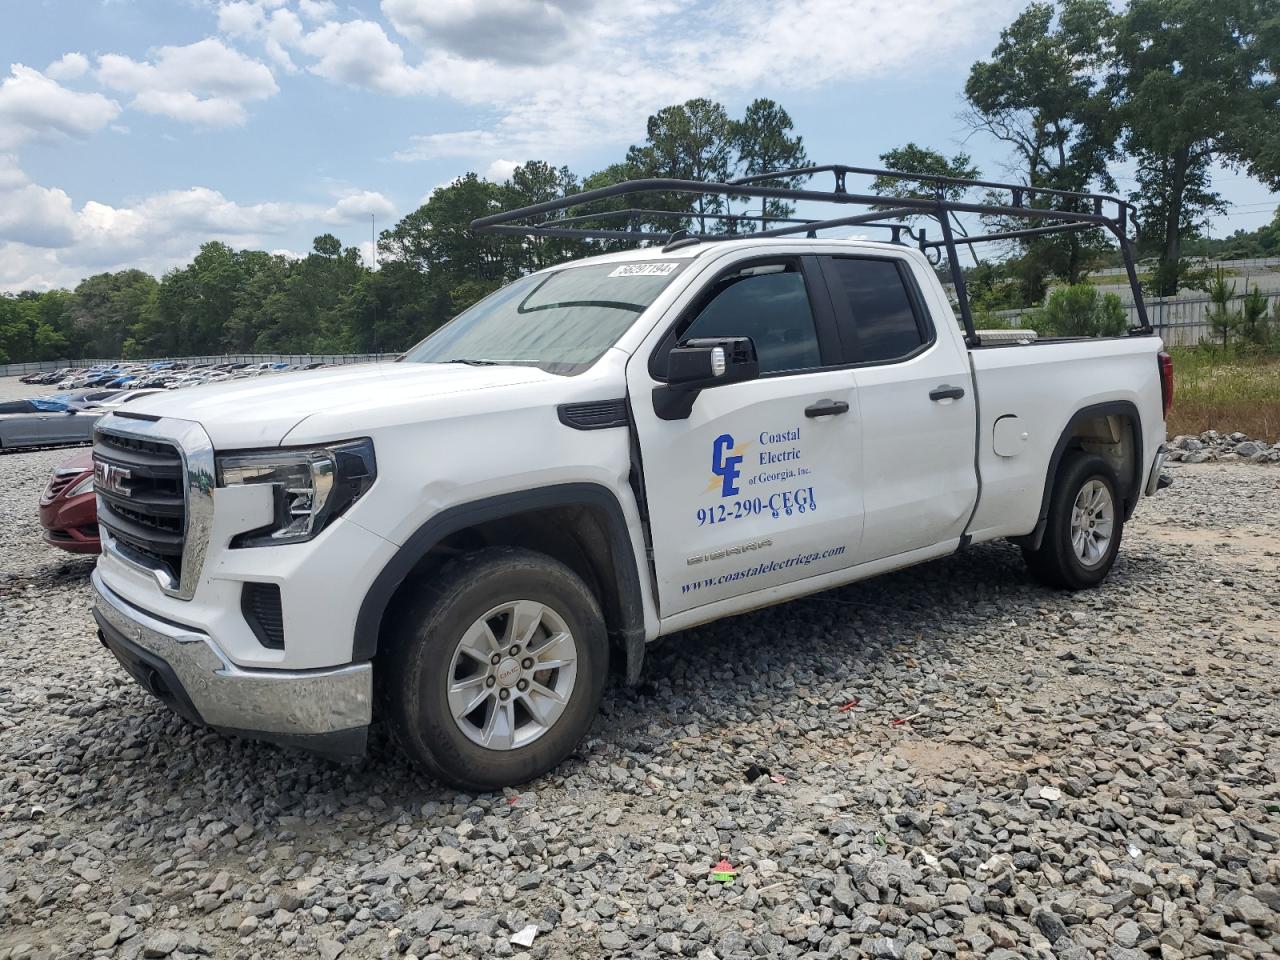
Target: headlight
[[84, 486], [312, 486]]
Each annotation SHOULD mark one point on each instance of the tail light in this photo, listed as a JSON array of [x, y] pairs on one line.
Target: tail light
[[1166, 381]]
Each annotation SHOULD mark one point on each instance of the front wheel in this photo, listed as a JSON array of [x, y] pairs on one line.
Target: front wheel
[[1082, 535], [498, 669]]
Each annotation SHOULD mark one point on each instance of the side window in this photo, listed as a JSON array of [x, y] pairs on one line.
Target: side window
[[881, 309], [16, 406], [769, 304]]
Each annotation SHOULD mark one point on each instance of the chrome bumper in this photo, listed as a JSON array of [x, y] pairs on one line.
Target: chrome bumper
[[1154, 479], [323, 710]]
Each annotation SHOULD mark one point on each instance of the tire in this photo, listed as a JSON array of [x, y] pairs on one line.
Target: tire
[[501, 742], [1085, 560]]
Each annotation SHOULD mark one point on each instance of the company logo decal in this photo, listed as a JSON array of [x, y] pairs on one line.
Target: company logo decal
[[726, 463]]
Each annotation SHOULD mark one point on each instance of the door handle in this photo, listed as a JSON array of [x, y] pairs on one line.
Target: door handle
[[946, 392], [826, 408]]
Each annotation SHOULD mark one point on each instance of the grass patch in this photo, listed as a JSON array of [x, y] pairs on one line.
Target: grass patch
[[1225, 391]]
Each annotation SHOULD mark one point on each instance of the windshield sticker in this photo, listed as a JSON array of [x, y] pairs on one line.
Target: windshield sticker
[[644, 270]]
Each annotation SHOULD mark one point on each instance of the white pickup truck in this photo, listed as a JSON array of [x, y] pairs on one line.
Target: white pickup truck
[[597, 455]]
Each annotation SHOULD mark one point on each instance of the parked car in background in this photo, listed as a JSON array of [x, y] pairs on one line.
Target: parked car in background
[[96, 395], [122, 397], [69, 507], [46, 376], [44, 422]]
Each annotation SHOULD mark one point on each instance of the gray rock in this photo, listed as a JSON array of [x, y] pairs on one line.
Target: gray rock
[[1127, 934], [668, 943], [614, 940], [843, 895], [160, 944], [1050, 924]]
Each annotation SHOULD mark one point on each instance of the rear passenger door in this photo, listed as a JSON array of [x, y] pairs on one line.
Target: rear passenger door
[[919, 414]]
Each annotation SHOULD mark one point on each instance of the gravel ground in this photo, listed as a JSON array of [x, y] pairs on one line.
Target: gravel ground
[[956, 762]]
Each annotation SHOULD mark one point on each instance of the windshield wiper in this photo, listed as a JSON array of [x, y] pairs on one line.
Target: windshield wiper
[[476, 363]]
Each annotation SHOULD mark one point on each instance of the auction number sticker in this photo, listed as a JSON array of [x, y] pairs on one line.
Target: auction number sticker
[[644, 270]]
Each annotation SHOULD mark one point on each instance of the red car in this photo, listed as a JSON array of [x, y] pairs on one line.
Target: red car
[[68, 507]]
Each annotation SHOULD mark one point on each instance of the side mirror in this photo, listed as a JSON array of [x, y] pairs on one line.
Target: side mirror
[[697, 365]]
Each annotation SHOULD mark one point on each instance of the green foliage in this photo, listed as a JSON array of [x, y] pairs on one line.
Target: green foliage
[[1081, 311], [1254, 325], [992, 289], [1221, 318], [923, 160], [697, 140], [1042, 93], [1195, 83]]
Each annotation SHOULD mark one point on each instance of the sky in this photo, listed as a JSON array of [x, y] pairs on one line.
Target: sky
[[132, 131]]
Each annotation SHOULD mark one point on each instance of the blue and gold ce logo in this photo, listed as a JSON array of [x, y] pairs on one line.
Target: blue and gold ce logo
[[726, 460]]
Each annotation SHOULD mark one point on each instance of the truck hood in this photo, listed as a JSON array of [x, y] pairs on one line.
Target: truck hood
[[260, 411]]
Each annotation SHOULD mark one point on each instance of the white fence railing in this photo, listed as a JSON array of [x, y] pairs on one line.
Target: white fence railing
[[1180, 322], [1255, 263], [22, 369]]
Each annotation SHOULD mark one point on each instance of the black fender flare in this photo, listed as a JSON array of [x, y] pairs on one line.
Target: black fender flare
[[460, 517], [1112, 408]]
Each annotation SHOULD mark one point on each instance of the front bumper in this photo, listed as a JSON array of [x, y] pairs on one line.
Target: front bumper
[[71, 525], [326, 711]]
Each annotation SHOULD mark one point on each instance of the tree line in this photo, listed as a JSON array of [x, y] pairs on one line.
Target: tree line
[[1072, 90]]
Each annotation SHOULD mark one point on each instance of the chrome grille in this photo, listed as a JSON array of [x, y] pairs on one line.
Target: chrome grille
[[141, 499]]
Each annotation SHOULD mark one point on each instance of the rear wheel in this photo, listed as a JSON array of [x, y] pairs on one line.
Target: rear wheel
[[498, 669], [1082, 534]]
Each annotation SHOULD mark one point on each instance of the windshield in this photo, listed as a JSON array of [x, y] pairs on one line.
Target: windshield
[[561, 322]]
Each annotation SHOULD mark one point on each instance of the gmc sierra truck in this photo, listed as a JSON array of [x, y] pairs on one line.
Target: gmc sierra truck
[[597, 455]]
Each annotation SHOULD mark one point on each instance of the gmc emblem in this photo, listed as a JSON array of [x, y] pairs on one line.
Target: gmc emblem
[[109, 477]]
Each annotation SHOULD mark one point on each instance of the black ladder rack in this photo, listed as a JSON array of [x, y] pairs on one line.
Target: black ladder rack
[[1085, 211]]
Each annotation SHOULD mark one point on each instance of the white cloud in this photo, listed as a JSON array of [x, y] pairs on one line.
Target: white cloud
[[504, 31], [317, 9], [277, 29], [45, 240], [32, 106], [205, 83], [359, 205], [38, 216], [69, 66], [550, 75], [11, 175], [500, 170], [359, 53]]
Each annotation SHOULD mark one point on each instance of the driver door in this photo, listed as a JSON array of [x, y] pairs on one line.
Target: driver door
[[760, 485]]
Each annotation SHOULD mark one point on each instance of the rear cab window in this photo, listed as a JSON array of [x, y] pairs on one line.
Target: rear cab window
[[880, 314]]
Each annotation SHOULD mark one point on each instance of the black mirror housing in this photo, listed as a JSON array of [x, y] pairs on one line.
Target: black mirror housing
[[712, 362], [700, 364]]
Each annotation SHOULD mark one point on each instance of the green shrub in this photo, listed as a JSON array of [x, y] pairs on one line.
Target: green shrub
[[1081, 311], [1254, 324]]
